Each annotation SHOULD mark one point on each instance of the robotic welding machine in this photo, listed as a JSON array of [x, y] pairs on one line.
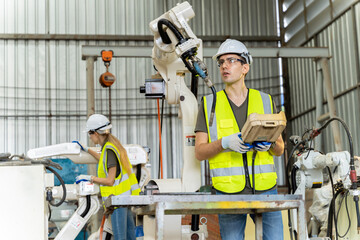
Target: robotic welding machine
[[331, 209], [176, 51]]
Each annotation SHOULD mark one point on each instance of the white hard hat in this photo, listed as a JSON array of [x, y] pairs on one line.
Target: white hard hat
[[236, 47], [98, 123]]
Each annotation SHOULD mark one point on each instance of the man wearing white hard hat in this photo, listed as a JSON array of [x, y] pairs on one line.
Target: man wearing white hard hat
[[232, 162]]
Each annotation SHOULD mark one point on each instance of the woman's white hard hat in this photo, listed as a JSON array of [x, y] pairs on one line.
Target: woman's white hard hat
[[98, 123], [233, 46]]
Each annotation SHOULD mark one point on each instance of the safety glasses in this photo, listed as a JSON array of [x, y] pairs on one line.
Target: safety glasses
[[91, 132], [230, 61]]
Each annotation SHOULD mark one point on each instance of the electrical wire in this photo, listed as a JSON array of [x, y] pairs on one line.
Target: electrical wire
[[290, 162], [102, 226], [331, 181], [88, 205], [160, 144], [49, 213], [347, 132], [62, 200], [164, 36], [332, 214], [333, 194], [347, 212]]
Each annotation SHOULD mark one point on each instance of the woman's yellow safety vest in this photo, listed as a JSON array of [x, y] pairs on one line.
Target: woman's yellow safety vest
[[227, 168], [125, 183]]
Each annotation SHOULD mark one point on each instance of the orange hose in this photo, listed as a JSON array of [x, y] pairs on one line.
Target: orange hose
[[102, 226], [161, 163]]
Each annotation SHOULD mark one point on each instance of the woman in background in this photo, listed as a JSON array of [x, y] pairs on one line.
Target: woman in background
[[114, 174]]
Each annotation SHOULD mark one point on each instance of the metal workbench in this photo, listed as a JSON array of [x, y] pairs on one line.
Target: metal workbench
[[185, 203]]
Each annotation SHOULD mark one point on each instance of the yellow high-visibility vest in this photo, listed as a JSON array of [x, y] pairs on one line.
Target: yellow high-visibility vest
[[125, 184], [227, 168]]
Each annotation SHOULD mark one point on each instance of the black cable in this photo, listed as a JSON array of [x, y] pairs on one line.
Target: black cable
[[309, 148], [331, 181], [49, 213], [188, 66], [194, 84], [108, 236], [331, 215], [293, 178], [307, 131], [88, 205], [290, 163], [164, 36], [356, 200], [63, 186], [348, 135], [213, 105], [195, 222], [138, 172], [333, 194], [347, 212]]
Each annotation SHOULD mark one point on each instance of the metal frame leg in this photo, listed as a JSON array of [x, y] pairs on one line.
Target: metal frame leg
[[258, 226], [160, 212], [302, 231]]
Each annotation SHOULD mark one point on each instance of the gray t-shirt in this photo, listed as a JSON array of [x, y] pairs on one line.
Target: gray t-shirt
[[240, 113], [112, 161]]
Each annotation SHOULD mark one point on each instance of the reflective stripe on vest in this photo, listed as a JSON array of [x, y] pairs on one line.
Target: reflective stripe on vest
[[123, 184], [227, 168], [222, 172]]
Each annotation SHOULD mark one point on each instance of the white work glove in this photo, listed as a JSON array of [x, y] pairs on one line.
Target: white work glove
[[82, 178], [262, 146], [81, 146], [235, 143]]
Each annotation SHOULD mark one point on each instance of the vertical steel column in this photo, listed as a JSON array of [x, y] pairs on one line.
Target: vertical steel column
[[90, 94], [319, 105], [90, 85], [331, 103]]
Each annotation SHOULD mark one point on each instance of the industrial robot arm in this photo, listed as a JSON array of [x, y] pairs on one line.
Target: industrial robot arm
[[307, 170], [177, 49], [87, 195]]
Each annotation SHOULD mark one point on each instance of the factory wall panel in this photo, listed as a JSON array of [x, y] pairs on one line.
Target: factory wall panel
[[43, 82], [233, 17], [342, 39], [131, 17]]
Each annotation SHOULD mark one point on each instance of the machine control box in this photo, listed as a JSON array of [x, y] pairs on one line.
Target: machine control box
[[263, 127]]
